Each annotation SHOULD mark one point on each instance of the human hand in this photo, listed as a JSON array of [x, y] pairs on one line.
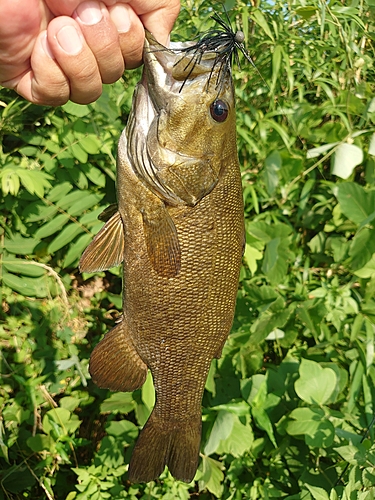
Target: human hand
[[55, 50]]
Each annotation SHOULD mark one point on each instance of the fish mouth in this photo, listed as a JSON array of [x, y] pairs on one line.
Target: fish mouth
[[169, 70]]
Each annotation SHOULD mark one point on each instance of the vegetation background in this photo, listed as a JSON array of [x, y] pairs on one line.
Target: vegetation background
[[288, 410]]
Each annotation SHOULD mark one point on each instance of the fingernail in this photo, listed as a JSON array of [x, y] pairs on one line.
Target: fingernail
[[120, 17], [69, 40], [89, 12], [45, 45]]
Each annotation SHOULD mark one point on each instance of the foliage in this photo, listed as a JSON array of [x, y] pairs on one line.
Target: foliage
[[287, 407]]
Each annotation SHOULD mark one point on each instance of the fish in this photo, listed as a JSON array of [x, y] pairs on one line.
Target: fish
[[179, 230]]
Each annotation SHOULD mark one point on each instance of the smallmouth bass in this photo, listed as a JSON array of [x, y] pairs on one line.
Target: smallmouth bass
[[179, 231]]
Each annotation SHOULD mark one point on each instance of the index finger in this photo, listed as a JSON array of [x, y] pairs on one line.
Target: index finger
[[158, 16]]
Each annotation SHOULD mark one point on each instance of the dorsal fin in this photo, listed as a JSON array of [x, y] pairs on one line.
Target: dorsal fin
[[107, 248]]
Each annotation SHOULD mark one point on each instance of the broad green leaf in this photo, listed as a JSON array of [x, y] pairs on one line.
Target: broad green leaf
[[362, 248], [59, 192], [239, 441], [39, 211], [119, 402], [306, 12], [315, 384], [20, 245], [23, 267], [29, 287], [272, 166], [251, 256], [263, 421], [40, 442], [275, 263], [122, 429], [368, 270], [355, 202], [91, 144], [317, 493], [67, 201], [60, 422], [148, 392], [66, 236], [35, 181], [212, 476], [345, 159], [259, 18], [78, 110], [220, 431], [76, 249], [84, 204], [52, 226], [355, 455], [313, 425], [10, 181], [95, 175]]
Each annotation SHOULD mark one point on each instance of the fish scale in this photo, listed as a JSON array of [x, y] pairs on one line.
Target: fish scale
[[181, 220]]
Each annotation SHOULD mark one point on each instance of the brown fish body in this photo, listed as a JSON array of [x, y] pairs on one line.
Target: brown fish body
[[182, 226]]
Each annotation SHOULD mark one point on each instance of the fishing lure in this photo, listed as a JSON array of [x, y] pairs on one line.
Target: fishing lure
[[224, 42]]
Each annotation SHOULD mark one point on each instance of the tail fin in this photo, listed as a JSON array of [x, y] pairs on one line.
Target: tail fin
[[164, 443]]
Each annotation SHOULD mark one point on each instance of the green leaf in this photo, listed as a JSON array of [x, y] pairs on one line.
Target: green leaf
[[23, 266], [220, 431], [368, 270], [76, 249], [29, 287], [52, 226], [40, 442], [60, 422], [239, 440], [259, 18], [315, 384], [66, 236], [19, 245], [354, 455], [251, 256], [124, 430], [355, 202], [35, 181], [276, 256], [345, 159], [84, 204], [95, 175], [313, 425], [91, 144], [119, 402], [212, 476], [272, 165], [317, 493], [78, 110]]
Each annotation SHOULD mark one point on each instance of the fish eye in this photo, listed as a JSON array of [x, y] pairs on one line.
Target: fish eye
[[219, 110]]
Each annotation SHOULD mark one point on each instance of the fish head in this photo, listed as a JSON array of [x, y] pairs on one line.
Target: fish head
[[182, 126]]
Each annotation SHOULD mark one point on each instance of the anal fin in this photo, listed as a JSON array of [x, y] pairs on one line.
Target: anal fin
[[107, 248], [162, 243], [115, 363]]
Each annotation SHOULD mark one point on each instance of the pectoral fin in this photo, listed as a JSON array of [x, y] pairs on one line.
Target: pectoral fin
[[162, 243], [115, 364], [107, 248]]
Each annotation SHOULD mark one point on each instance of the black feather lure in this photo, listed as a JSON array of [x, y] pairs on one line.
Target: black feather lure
[[224, 42]]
